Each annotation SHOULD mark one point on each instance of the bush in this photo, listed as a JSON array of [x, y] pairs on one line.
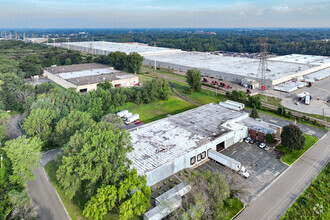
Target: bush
[[171, 180], [171, 186], [159, 187], [269, 139], [186, 171], [153, 190], [164, 183]]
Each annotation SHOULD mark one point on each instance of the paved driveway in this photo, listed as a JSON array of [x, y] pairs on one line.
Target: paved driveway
[[263, 167], [275, 200], [43, 193]]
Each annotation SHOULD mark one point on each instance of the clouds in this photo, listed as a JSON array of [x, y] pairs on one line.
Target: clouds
[[167, 14]]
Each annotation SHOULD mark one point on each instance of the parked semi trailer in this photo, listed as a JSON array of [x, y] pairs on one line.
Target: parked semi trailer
[[132, 118], [228, 162], [122, 113]]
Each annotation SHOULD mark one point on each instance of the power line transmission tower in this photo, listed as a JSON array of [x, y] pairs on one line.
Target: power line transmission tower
[[263, 65]]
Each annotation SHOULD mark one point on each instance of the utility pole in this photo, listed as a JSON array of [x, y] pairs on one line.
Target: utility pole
[[263, 65]]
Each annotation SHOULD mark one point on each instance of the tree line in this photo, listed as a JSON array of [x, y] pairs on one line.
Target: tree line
[[121, 61], [85, 126]]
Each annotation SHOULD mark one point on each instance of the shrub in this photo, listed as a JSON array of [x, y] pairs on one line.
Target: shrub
[[177, 182], [158, 187], [171, 180], [180, 174], [153, 190], [269, 138], [159, 193], [164, 183], [186, 171], [171, 186]]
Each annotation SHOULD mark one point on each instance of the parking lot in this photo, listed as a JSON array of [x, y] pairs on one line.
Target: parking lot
[[263, 167]]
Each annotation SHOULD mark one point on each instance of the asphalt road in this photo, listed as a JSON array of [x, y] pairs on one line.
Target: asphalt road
[[43, 193], [40, 189], [277, 198]]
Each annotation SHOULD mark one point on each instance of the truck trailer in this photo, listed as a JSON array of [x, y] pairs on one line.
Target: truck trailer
[[228, 162], [132, 118], [122, 113]]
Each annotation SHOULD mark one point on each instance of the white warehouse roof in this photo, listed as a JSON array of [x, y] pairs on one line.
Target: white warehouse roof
[[161, 141]]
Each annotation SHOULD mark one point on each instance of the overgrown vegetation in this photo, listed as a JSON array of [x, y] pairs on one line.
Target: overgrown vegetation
[[314, 202]]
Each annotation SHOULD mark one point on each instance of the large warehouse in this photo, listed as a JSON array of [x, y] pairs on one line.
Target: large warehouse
[[280, 69], [86, 77], [166, 146]]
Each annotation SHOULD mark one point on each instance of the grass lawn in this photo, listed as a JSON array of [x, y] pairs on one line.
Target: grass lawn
[[291, 157], [158, 109], [270, 100], [14, 113], [203, 97], [233, 205], [174, 75], [314, 202]]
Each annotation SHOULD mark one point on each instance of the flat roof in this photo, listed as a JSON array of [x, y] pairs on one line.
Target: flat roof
[[243, 66], [142, 49], [259, 125], [161, 141], [302, 59], [91, 73], [75, 68]]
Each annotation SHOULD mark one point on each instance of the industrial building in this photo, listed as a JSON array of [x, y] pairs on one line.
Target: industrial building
[[231, 68], [86, 77], [166, 146]]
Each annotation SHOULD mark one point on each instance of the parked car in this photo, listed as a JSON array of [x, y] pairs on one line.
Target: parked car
[[138, 122], [252, 141], [247, 140], [262, 145], [266, 148]]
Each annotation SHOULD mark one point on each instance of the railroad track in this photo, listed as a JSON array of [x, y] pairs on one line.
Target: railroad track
[[300, 115]]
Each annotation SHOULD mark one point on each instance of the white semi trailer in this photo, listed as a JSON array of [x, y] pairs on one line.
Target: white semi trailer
[[132, 118], [129, 114], [228, 162], [122, 113]]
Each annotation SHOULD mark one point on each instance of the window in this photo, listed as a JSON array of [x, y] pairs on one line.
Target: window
[[199, 157], [203, 154], [192, 160]]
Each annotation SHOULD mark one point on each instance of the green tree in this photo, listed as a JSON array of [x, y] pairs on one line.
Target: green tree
[[95, 108], [113, 119], [31, 65], [68, 61], [131, 196], [235, 95], [292, 138], [281, 111], [93, 158], [206, 197], [164, 90], [254, 113], [194, 79], [106, 85], [39, 123], [269, 138], [117, 60], [242, 95], [89, 59], [69, 125], [134, 62], [4, 119], [254, 102], [24, 154]]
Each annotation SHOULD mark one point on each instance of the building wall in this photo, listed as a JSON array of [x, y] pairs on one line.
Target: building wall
[[184, 162], [59, 80], [127, 82], [217, 74]]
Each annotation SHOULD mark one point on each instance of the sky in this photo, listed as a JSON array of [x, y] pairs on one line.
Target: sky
[[163, 13]]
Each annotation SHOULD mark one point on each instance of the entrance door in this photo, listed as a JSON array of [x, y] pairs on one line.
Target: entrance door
[[220, 146]]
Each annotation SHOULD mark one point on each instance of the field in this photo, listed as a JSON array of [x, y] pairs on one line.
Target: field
[[291, 157], [314, 203], [158, 109]]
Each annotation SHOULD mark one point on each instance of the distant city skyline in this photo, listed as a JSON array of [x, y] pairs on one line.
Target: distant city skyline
[[163, 13]]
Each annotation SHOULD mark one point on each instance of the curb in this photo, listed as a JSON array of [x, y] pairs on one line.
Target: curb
[[239, 211]]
